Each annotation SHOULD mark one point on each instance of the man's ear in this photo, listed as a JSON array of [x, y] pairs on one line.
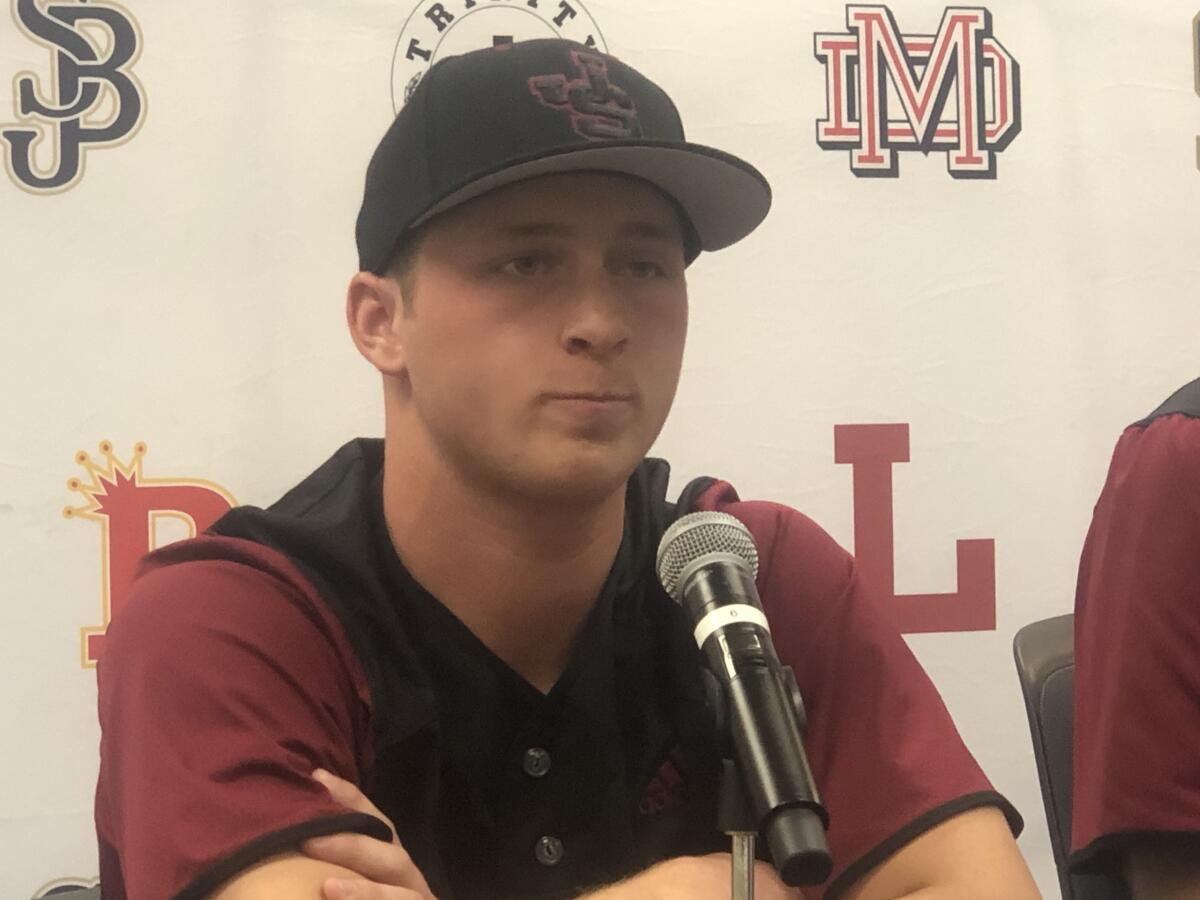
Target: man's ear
[[375, 315]]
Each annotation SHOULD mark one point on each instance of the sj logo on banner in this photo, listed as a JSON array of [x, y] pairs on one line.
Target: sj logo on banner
[[872, 450], [90, 98], [130, 509], [957, 91], [437, 29]]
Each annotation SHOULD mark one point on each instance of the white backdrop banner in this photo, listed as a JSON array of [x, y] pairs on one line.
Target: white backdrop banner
[[981, 264]]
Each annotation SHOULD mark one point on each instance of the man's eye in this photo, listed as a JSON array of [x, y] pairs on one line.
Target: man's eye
[[526, 266], [644, 268]]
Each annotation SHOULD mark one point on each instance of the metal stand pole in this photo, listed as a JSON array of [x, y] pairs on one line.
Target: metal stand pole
[[734, 818], [743, 865]]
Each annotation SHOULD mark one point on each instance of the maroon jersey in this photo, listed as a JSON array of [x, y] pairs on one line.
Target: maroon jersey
[[293, 638], [1137, 644]]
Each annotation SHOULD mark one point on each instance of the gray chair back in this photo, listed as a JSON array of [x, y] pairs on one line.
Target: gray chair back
[[1045, 656]]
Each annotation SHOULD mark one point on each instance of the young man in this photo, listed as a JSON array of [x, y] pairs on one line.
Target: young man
[[1136, 812], [462, 622]]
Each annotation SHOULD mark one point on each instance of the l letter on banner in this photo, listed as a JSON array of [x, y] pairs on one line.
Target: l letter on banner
[[871, 450]]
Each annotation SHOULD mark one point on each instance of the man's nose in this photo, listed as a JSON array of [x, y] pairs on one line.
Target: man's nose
[[598, 322]]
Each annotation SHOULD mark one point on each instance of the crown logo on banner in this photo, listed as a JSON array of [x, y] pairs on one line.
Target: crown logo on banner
[[112, 476], [129, 508]]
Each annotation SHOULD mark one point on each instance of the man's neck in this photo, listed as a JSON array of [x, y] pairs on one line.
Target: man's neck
[[522, 577]]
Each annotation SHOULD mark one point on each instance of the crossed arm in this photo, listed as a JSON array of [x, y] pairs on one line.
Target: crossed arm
[[1168, 873], [970, 855]]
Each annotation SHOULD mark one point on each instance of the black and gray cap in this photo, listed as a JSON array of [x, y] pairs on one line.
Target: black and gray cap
[[495, 116]]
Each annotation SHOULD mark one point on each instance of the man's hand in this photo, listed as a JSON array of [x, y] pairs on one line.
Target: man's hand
[[388, 872]]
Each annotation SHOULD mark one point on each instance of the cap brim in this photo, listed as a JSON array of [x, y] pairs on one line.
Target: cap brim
[[725, 197]]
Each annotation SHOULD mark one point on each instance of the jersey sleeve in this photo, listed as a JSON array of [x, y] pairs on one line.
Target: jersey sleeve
[[1137, 649], [885, 754], [223, 684]]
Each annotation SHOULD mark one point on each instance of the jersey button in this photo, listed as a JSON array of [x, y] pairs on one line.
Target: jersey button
[[548, 850], [536, 762]]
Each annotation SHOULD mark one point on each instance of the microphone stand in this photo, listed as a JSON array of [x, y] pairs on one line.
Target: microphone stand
[[735, 819]]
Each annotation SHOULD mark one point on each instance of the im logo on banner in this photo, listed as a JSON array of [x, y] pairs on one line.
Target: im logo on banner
[[451, 27], [956, 91], [130, 508], [87, 99]]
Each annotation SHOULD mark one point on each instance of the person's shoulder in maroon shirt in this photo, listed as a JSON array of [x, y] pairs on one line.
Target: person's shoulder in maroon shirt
[[1137, 651], [225, 682]]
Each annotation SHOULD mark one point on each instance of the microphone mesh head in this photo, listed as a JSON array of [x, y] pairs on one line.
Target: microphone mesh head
[[698, 534]]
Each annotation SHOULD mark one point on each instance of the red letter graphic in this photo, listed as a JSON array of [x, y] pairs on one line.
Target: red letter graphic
[[957, 91], [128, 507], [871, 450]]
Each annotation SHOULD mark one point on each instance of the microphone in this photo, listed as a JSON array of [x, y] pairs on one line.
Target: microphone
[[707, 562]]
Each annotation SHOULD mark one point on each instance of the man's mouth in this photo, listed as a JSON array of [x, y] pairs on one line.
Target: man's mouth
[[593, 396]]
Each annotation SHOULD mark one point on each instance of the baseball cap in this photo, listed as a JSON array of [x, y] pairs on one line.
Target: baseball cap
[[499, 115]]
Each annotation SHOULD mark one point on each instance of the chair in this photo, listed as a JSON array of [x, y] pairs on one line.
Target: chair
[[1045, 657]]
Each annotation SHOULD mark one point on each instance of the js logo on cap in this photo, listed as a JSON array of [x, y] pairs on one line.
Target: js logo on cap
[[451, 27], [89, 100], [957, 91], [599, 109]]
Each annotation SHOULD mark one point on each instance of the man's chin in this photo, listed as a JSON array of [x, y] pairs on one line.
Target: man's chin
[[583, 475]]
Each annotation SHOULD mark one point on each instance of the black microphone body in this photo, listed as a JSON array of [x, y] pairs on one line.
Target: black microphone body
[[764, 714]]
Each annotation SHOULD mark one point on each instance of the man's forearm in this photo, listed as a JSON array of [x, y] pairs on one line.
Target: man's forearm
[[975, 891], [693, 878], [1163, 874]]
